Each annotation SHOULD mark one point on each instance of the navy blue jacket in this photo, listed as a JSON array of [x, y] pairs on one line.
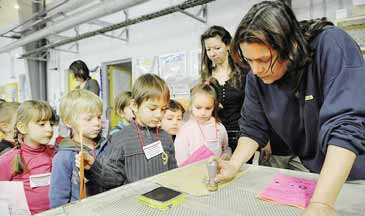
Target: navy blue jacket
[[329, 107]]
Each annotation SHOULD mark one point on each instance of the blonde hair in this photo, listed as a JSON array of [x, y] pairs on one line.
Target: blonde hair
[[121, 101], [8, 111], [32, 110], [149, 86], [206, 89], [76, 102]]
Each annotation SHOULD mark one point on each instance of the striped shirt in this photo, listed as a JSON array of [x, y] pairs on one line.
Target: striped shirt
[[126, 162]]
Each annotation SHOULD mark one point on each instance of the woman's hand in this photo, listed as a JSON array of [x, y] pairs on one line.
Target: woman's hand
[[266, 152], [226, 171], [316, 208], [88, 160]]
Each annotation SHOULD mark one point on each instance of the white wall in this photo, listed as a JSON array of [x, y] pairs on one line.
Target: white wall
[[168, 34], [320, 8], [172, 33], [11, 67]]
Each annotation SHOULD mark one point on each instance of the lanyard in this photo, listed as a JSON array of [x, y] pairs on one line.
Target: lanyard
[[202, 133], [164, 156], [140, 136]]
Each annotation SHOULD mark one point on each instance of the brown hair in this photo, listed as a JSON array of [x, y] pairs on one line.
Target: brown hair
[[121, 101], [206, 68], [208, 90], [149, 86], [174, 106], [273, 23], [80, 70], [32, 110]]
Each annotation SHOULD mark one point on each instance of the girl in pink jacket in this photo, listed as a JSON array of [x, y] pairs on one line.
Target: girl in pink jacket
[[202, 136], [31, 160]]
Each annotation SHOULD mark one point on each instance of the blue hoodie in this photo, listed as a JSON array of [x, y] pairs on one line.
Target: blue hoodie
[[329, 107], [65, 179]]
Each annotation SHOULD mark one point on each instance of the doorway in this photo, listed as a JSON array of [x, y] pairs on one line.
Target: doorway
[[117, 78]]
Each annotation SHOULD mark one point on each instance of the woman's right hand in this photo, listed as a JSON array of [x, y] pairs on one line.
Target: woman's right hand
[[88, 160], [226, 171]]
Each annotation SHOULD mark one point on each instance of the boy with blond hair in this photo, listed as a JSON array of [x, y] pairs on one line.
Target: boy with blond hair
[[81, 111], [141, 149]]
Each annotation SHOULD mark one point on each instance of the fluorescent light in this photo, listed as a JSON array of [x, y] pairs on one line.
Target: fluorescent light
[[16, 6]]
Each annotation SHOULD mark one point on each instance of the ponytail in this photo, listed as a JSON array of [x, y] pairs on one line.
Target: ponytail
[[18, 163], [311, 28]]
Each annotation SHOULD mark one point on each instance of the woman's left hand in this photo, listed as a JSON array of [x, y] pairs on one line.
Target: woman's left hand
[[315, 209]]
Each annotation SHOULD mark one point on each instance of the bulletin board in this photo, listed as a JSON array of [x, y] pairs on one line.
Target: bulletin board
[[9, 92], [145, 65]]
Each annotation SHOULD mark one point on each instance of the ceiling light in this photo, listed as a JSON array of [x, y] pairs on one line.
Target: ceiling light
[[16, 6]]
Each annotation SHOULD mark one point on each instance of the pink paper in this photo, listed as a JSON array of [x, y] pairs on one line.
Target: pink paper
[[289, 190], [201, 153]]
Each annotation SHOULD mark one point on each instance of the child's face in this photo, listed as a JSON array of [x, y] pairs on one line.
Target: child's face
[[202, 107], [90, 124], [172, 121], [39, 132], [150, 112]]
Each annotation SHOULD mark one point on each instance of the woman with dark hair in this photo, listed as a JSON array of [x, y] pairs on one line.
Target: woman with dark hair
[[228, 80], [306, 83], [81, 73]]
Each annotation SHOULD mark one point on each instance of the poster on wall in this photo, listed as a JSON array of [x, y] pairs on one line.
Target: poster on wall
[[144, 65], [9, 92], [195, 61], [173, 69]]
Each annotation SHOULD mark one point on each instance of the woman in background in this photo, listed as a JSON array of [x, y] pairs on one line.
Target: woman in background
[[218, 68], [81, 73]]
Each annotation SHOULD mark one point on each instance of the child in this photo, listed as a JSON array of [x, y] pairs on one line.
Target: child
[[129, 159], [31, 160], [7, 118], [123, 110], [80, 110], [202, 135], [172, 120]]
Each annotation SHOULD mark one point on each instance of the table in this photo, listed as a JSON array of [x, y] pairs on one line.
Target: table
[[238, 198]]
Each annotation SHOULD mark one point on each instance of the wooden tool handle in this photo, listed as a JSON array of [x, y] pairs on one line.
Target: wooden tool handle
[[82, 178]]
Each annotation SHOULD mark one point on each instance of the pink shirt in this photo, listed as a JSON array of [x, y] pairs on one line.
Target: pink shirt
[[38, 161], [192, 135]]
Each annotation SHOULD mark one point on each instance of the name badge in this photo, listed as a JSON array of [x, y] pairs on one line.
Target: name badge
[[40, 180], [153, 149]]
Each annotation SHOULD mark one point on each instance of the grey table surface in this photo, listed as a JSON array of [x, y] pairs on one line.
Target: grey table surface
[[238, 198]]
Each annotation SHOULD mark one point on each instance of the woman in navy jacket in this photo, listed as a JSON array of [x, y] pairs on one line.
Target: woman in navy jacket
[[306, 83]]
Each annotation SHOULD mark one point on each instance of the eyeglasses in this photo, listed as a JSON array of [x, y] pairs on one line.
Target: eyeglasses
[[264, 64]]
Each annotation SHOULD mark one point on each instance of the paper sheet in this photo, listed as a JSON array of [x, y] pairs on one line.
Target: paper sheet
[[289, 190], [12, 196], [4, 209], [191, 179], [201, 153]]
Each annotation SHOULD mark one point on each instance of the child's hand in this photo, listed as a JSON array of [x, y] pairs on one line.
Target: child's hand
[[225, 156], [88, 160]]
